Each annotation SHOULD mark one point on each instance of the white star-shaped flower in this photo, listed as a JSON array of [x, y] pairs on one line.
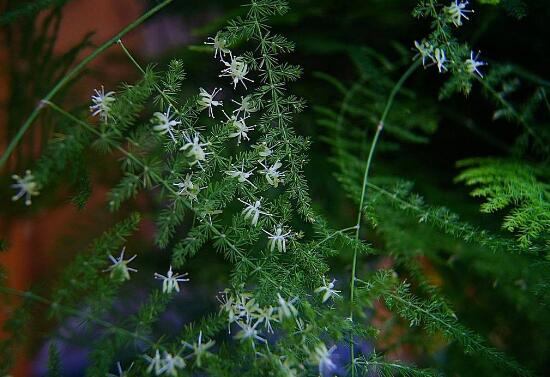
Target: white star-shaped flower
[[440, 59], [241, 175], [252, 211], [328, 290], [164, 123], [119, 269], [200, 349], [425, 50], [195, 149], [272, 173], [237, 69], [102, 103], [473, 63], [188, 189], [207, 101], [263, 150], [322, 357], [278, 239], [155, 363], [456, 11], [27, 187], [239, 127], [171, 364], [265, 316], [249, 332], [171, 281], [286, 309], [220, 45], [246, 106]]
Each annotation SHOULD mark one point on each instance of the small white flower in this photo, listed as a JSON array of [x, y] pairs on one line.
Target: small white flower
[[321, 356], [27, 187], [440, 59], [207, 101], [457, 11], [188, 189], [245, 309], [263, 150], [473, 63], [208, 210], [241, 175], [328, 290], [277, 238], [226, 300], [246, 106], [239, 126], [102, 103], [252, 211], [237, 69], [200, 349], [171, 364], [246, 306], [165, 124], [425, 50], [286, 309], [121, 372], [265, 316], [171, 281], [119, 269], [219, 44], [155, 363], [272, 173], [249, 332], [196, 149]]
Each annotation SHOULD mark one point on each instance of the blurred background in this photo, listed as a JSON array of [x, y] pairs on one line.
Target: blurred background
[[340, 39]]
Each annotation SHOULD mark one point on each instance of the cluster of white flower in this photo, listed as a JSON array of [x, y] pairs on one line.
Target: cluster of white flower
[[170, 364], [436, 55], [243, 310], [26, 187]]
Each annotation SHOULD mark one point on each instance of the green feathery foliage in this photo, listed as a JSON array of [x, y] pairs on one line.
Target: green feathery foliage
[[235, 186], [512, 184]]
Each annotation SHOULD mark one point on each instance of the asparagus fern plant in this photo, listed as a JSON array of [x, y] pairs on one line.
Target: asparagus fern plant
[[225, 165]]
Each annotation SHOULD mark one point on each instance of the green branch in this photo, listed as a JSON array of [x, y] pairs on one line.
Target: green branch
[[71, 75]]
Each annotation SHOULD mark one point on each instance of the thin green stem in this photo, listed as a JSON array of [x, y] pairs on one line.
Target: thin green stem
[[131, 57], [140, 68], [71, 75], [374, 143]]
